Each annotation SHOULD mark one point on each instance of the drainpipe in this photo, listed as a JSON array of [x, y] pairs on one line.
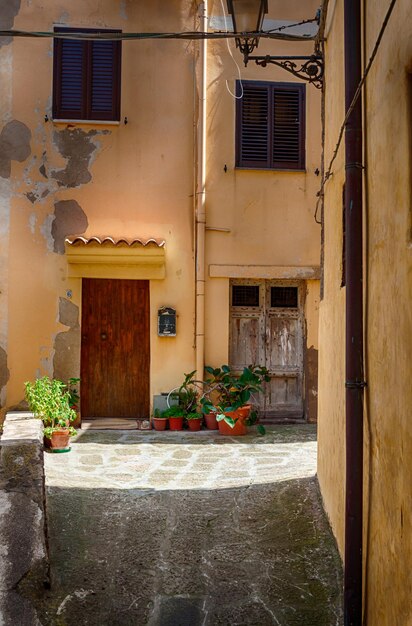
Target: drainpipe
[[200, 216], [354, 321]]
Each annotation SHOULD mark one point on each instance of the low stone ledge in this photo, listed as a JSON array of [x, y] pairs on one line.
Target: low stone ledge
[[23, 545]]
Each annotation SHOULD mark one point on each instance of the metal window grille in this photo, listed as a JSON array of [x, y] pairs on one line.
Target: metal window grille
[[245, 295], [284, 297]]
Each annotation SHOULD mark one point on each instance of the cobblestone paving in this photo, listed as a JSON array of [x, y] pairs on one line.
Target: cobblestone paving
[[183, 460], [176, 529]]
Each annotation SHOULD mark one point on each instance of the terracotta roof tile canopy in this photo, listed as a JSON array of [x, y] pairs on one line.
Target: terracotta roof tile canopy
[[109, 257], [78, 241]]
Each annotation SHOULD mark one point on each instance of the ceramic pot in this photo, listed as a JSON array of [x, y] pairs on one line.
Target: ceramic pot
[[211, 422], [244, 411], [194, 424], [60, 439], [238, 429], [159, 423], [176, 423]]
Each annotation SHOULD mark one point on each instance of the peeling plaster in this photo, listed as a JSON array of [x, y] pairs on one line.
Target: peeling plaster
[[69, 219], [14, 145], [77, 147], [8, 11], [66, 360]]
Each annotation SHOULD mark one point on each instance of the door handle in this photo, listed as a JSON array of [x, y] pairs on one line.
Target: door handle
[[103, 336]]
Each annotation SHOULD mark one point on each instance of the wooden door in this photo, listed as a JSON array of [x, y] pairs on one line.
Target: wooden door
[[266, 328], [284, 349], [115, 350]]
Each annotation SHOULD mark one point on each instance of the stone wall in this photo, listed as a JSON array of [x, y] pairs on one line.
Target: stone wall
[[23, 544]]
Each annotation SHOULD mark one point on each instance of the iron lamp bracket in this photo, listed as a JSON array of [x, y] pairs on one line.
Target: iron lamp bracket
[[309, 68]]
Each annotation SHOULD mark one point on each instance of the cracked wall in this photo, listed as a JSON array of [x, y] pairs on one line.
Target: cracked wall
[[66, 360], [77, 147], [8, 11], [14, 145], [69, 219]]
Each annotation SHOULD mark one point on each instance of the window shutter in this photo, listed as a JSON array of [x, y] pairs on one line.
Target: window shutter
[[105, 70], [253, 127], [288, 131], [86, 79], [69, 76], [270, 125]]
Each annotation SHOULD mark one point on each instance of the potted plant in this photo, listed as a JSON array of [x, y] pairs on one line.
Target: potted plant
[[159, 420], [74, 399], [229, 396], [194, 421], [48, 399], [176, 417], [187, 397]]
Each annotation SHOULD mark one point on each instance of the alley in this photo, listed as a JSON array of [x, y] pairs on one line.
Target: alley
[[188, 529]]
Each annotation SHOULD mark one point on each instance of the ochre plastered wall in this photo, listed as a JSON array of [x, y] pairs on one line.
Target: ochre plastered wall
[[388, 317], [269, 214], [133, 180], [138, 180]]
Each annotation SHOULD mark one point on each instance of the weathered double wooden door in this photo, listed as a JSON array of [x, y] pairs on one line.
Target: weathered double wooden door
[[115, 348], [267, 328]]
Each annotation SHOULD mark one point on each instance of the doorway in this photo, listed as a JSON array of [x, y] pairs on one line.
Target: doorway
[[267, 329], [115, 348]]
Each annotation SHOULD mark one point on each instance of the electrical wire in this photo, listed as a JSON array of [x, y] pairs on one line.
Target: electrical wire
[[236, 97], [191, 35], [280, 28], [355, 98]]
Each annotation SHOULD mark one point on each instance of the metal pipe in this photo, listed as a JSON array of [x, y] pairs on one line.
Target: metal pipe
[[201, 201], [354, 320]]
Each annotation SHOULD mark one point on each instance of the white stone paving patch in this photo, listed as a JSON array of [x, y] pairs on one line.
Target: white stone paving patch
[[173, 461]]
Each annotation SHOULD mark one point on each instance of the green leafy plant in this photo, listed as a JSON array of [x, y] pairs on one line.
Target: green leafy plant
[[194, 416], [187, 395], [228, 392], [173, 411], [73, 390], [158, 414], [49, 400]]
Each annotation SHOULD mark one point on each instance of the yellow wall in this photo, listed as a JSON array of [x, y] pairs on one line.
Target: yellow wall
[[388, 319], [142, 183]]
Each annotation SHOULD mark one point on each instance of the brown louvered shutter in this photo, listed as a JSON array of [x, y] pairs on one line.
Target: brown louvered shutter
[[288, 127], [86, 80], [253, 132], [105, 75], [270, 125]]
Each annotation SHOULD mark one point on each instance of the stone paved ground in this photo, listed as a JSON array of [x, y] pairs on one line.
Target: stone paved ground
[[176, 529]]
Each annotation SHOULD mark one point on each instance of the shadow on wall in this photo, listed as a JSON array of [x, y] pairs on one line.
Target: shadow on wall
[[261, 554]]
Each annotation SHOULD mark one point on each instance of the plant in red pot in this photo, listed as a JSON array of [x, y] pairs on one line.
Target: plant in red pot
[[231, 395], [187, 399], [159, 420], [49, 400], [176, 416], [194, 421]]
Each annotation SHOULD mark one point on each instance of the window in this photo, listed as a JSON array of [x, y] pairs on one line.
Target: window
[[245, 295], [284, 297], [270, 125], [86, 79]]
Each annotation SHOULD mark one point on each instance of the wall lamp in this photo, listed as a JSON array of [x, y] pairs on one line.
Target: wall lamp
[[247, 18]]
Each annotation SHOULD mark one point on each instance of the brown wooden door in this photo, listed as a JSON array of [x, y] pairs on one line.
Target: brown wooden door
[[115, 352]]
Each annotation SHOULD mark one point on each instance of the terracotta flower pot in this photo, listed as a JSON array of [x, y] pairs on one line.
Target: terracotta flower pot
[[211, 422], [159, 423], [238, 429], [176, 423], [60, 440], [244, 411], [194, 424]]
